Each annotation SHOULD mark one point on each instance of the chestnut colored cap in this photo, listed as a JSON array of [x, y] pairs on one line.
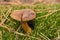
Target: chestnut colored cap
[[25, 14]]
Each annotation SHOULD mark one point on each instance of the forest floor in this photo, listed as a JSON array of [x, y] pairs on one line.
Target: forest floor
[[46, 25]]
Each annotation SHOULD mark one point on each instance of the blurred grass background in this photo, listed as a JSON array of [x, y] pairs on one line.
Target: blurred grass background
[[47, 25]]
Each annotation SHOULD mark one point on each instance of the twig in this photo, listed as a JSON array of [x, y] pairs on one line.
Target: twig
[[44, 36], [58, 34], [18, 1], [3, 26], [9, 29], [0, 17], [7, 14], [17, 36], [54, 24], [57, 38], [3, 20], [9, 3], [25, 35], [48, 14], [0, 35]]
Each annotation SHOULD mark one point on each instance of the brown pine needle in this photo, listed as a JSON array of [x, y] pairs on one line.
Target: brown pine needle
[[48, 14]]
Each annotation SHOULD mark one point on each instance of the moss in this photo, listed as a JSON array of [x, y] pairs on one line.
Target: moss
[[46, 25]]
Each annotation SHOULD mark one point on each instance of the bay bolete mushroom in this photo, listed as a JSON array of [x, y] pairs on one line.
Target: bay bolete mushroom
[[26, 15]]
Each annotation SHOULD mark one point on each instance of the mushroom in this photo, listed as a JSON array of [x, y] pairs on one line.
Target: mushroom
[[25, 15]]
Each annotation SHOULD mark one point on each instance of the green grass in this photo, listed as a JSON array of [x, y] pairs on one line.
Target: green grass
[[47, 25]]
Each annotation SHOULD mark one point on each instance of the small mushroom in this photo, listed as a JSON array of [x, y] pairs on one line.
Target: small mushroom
[[25, 15]]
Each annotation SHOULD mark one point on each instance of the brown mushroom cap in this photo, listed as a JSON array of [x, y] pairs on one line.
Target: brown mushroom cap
[[26, 14]]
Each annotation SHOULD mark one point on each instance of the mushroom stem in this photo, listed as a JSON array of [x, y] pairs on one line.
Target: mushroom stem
[[26, 27]]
